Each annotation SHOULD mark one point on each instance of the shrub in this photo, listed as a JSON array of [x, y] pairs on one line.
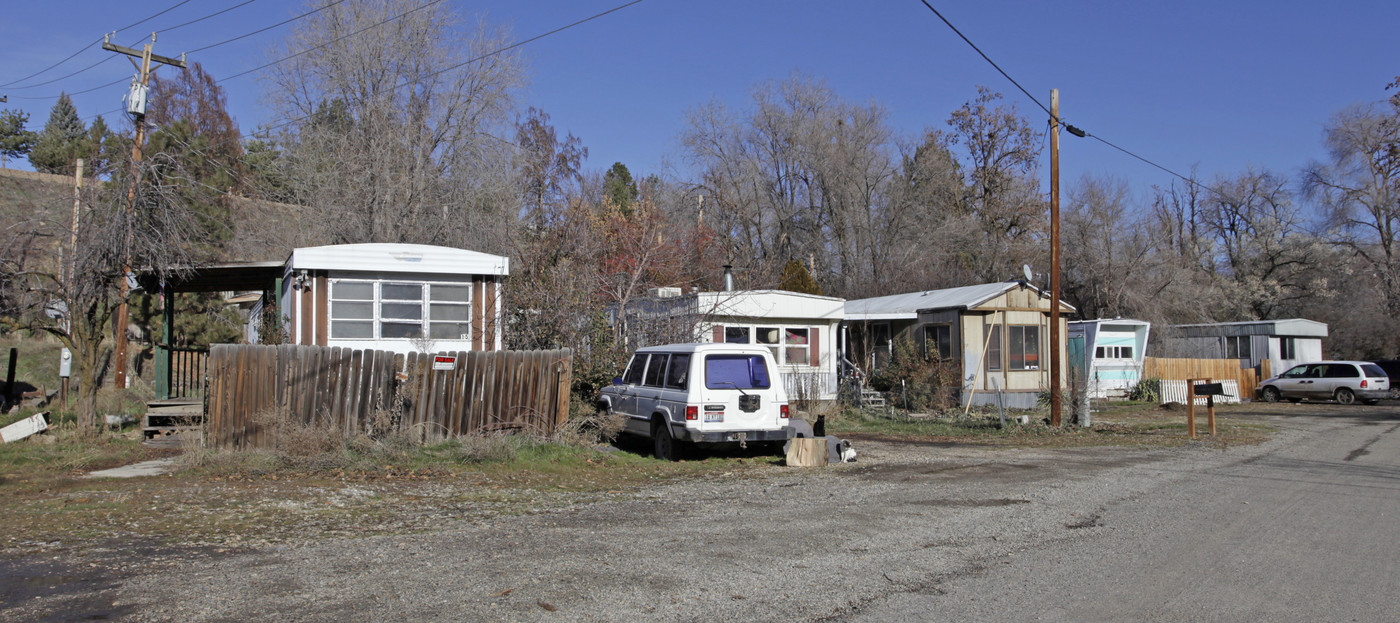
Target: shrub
[[1147, 390], [921, 383]]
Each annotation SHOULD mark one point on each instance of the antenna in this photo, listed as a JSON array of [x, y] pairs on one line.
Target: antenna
[[1026, 270]]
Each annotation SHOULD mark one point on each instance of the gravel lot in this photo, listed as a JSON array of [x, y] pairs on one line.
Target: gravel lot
[[780, 544]]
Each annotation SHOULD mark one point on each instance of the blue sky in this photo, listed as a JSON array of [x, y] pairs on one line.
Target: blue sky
[[1219, 85]]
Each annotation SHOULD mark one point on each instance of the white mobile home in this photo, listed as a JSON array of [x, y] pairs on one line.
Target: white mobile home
[[800, 329], [394, 297], [1113, 354]]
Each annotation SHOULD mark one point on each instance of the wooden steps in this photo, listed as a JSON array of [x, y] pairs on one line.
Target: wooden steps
[[173, 422]]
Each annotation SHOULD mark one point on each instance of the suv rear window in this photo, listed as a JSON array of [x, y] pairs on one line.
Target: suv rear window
[[1372, 370], [736, 372]]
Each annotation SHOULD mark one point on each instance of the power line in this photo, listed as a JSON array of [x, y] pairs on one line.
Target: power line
[[461, 64], [988, 59], [121, 80], [89, 46], [1071, 129], [283, 22]]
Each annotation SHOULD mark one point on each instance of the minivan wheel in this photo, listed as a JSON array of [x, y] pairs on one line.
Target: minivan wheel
[[662, 446], [1270, 394], [1345, 396]]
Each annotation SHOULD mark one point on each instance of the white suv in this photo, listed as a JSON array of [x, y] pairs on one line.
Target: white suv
[[1343, 381], [700, 393]]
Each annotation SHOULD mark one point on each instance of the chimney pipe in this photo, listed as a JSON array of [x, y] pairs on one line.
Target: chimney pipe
[[728, 278]]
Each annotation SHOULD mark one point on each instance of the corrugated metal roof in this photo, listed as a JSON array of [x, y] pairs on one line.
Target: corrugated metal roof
[[908, 305], [1295, 327], [398, 258]]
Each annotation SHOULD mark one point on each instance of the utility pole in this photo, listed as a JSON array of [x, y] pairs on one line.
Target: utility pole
[[77, 202], [136, 106], [1054, 257]]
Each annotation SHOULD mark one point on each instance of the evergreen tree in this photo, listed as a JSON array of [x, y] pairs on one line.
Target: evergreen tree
[[618, 185], [104, 150], [797, 279], [62, 141], [15, 141]]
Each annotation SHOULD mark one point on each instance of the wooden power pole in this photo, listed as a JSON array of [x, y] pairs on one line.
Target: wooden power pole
[[136, 106], [1055, 257]]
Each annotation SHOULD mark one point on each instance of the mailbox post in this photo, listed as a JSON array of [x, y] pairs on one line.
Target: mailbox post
[[1201, 387]]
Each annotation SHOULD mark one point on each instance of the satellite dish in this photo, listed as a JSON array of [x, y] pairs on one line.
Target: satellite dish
[[1026, 270]]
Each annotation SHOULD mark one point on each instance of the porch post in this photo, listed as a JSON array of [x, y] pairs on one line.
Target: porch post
[[162, 362]]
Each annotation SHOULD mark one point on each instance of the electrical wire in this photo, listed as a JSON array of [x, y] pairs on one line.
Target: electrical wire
[[1053, 117], [487, 55], [281, 23], [89, 46], [175, 27]]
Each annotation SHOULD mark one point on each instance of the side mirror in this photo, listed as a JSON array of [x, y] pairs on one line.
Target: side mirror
[[617, 380]]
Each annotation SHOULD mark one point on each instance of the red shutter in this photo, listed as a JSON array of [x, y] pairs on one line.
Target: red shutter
[[814, 346], [719, 334]]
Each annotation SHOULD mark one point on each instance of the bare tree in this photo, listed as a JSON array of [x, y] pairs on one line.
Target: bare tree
[[155, 232], [1359, 190], [1261, 246], [548, 166], [397, 117], [1112, 260]]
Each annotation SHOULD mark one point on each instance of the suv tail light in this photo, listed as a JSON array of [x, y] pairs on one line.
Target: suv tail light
[[783, 411], [1363, 383], [692, 412]]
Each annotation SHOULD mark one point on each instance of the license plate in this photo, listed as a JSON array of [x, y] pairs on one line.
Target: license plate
[[714, 416]]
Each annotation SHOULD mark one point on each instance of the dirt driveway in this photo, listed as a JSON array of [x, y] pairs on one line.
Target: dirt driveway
[[780, 544]]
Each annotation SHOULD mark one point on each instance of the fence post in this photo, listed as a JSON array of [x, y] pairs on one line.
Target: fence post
[[1191, 408]]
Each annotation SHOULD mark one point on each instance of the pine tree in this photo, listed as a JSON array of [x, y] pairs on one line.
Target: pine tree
[[62, 141], [15, 141], [797, 279]]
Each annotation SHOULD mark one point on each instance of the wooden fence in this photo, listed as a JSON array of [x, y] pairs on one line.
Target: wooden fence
[[1214, 369], [354, 390]]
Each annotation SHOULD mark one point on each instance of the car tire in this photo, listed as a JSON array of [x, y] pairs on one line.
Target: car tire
[[1345, 396], [1270, 394], [663, 447]]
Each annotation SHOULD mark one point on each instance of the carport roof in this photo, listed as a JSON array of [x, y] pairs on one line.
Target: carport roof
[[235, 276]]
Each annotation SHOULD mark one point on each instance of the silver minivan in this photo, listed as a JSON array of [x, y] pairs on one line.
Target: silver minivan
[[701, 394], [1343, 381]]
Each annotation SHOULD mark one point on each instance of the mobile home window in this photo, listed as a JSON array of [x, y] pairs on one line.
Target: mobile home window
[[1287, 349], [1237, 347], [993, 337], [789, 345], [1024, 351], [938, 341], [736, 335], [795, 346], [770, 337], [449, 312], [1113, 352], [352, 310], [368, 310]]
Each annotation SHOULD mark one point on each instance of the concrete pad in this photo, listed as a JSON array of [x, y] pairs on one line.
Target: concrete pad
[[135, 470]]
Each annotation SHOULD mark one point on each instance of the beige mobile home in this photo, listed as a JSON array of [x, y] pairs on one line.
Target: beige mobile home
[[998, 333]]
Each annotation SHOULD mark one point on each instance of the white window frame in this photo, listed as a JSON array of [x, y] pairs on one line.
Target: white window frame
[[1113, 352], [781, 347], [424, 300]]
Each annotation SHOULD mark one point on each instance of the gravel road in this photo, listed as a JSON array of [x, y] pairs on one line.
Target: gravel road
[[908, 531]]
